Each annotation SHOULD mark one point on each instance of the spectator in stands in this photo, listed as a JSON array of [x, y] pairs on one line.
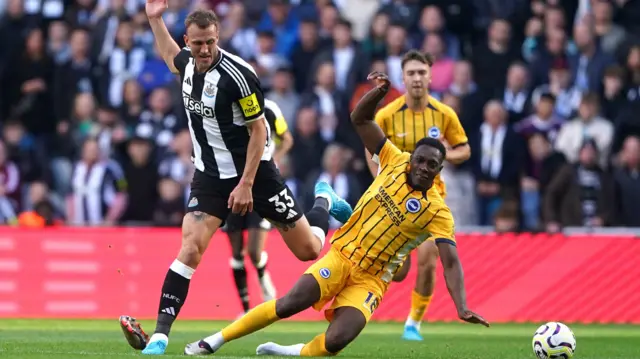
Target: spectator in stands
[[73, 76], [28, 92], [308, 144], [588, 65], [14, 26], [347, 57], [329, 16], [443, 65], [236, 34], [627, 122], [498, 160], [396, 46], [126, 61], [304, 51], [159, 119], [546, 57], [580, 194], [516, 96], [328, 101], [141, 176], [283, 93], [132, 102], [365, 86], [154, 74], [21, 151], [169, 210], [627, 183], [613, 98], [567, 96], [334, 173], [507, 218], [544, 120], [98, 194], [610, 35], [492, 58], [542, 163], [402, 12], [10, 180], [461, 184], [432, 22], [472, 99], [177, 163], [374, 44], [57, 42], [588, 125], [283, 22]]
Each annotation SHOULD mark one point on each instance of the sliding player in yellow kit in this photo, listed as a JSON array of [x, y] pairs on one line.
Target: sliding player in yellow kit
[[399, 211], [404, 122]]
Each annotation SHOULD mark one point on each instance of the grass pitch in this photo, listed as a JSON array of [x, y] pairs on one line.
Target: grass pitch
[[98, 339]]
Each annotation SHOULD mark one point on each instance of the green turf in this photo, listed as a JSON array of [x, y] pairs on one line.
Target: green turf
[[58, 339]]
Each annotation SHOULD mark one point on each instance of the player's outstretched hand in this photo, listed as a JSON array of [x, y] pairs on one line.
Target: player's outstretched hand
[[155, 8], [381, 79], [241, 199], [473, 318]]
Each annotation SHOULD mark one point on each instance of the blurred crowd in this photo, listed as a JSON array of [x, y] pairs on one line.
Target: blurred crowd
[[548, 93]]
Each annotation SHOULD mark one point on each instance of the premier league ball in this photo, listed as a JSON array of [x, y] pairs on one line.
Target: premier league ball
[[554, 341]]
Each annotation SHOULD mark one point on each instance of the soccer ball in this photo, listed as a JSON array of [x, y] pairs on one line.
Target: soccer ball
[[554, 341]]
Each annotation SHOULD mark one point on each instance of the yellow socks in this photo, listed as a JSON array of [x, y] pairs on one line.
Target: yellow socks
[[315, 348], [419, 306], [256, 319]]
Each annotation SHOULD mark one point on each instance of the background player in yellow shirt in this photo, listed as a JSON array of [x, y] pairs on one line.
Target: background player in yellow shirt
[[400, 210], [257, 227], [404, 122]]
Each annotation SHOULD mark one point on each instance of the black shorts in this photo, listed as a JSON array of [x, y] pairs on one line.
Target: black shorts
[[272, 199], [251, 220]]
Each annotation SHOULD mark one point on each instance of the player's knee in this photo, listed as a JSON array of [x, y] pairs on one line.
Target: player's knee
[[428, 259], [191, 250], [190, 254], [337, 340], [255, 255], [308, 251]]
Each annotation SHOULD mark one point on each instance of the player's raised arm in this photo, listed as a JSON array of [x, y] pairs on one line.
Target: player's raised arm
[[167, 47], [363, 115]]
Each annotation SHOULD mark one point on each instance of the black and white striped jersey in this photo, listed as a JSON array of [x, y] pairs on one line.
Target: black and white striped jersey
[[219, 103]]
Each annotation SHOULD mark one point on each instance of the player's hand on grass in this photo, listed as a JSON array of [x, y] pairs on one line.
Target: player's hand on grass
[[381, 80], [473, 318], [241, 199], [155, 8]]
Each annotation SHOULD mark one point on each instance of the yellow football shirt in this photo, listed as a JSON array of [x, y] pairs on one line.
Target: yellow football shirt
[[391, 219], [404, 127]]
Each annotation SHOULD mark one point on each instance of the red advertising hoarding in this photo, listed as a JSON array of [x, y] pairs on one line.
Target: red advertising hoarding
[[103, 273]]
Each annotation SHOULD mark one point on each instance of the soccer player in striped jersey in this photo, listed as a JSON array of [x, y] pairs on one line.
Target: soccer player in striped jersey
[[399, 211], [256, 226], [405, 121], [235, 171]]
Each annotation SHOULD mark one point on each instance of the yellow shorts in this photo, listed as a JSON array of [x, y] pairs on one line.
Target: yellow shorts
[[346, 284]]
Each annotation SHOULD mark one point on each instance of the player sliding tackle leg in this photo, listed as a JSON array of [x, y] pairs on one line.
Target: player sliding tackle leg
[[248, 182], [398, 212]]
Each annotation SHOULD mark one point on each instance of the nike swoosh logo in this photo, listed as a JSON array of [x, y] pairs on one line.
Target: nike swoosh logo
[[401, 134]]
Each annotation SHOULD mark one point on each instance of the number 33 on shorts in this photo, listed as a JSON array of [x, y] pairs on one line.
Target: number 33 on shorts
[[283, 203], [371, 303]]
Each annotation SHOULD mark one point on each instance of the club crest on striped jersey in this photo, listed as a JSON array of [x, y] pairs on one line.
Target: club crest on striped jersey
[[434, 132], [413, 205], [210, 90]]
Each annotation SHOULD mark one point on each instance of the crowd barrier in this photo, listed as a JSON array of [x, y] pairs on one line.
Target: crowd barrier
[[103, 273]]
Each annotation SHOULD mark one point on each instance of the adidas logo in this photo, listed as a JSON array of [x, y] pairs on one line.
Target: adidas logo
[[170, 311]]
